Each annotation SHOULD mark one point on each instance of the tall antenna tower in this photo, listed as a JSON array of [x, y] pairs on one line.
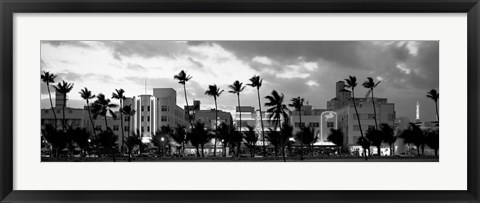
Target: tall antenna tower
[[145, 86], [417, 117]]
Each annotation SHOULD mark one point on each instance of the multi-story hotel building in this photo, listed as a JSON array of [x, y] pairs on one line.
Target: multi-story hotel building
[[342, 105]]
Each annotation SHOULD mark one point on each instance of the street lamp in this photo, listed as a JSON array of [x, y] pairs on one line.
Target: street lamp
[[163, 146]]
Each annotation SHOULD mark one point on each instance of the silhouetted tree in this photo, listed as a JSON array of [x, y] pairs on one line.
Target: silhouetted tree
[[388, 136], [277, 109], [120, 95], [236, 88], [102, 107], [130, 143], [179, 135], [433, 94], [214, 92], [433, 140], [274, 138], [81, 137], [250, 138], [87, 95], [183, 78], [336, 137], [49, 78], [351, 83], [108, 140], [64, 88], [128, 111], [413, 135], [370, 84], [297, 103], [199, 136], [375, 138], [256, 82], [307, 136], [56, 138]]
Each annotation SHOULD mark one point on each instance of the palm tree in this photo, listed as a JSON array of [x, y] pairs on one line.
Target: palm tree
[[297, 103], [57, 139], [286, 133], [352, 83], [179, 135], [307, 136], [413, 135], [120, 95], [102, 107], [250, 138], [214, 92], [64, 88], [81, 137], [433, 141], [49, 78], [375, 138], [336, 137], [433, 94], [87, 95], [273, 137], [277, 109], [388, 136], [183, 78], [256, 82], [131, 142], [199, 136], [128, 111], [370, 84], [224, 133], [108, 140], [236, 88]]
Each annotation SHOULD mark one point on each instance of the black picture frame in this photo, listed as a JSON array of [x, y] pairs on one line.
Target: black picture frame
[[10, 7]]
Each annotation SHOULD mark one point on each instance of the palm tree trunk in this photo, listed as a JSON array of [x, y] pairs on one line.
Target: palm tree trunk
[[374, 112], [90, 117], [51, 104], [261, 122], [436, 107], [121, 126], [188, 108], [240, 123], [301, 133], [358, 119], [106, 124], [378, 150], [216, 128], [64, 105], [203, 150]]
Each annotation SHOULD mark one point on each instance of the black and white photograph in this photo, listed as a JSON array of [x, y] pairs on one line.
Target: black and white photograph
[[239, 101]]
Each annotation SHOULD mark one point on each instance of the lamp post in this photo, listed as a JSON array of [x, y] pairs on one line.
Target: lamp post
[[163, 146]]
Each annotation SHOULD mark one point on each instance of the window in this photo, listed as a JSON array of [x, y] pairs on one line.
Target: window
[[99, 127], [148, 118], [371, 116], [371, 127], [330, 124], [391, 117], [143, 108], [164, 118], [142, 119], [70, 111], [297, 124], [142, 129], [115, 127], [356, 128], [126, 118], [148, 128], [46, 111], [148, 108], [164, 108], [58, 111], [314, 124], [125, 129]]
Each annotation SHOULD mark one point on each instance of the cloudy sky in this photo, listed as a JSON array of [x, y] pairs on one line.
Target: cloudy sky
[[407, 69]]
